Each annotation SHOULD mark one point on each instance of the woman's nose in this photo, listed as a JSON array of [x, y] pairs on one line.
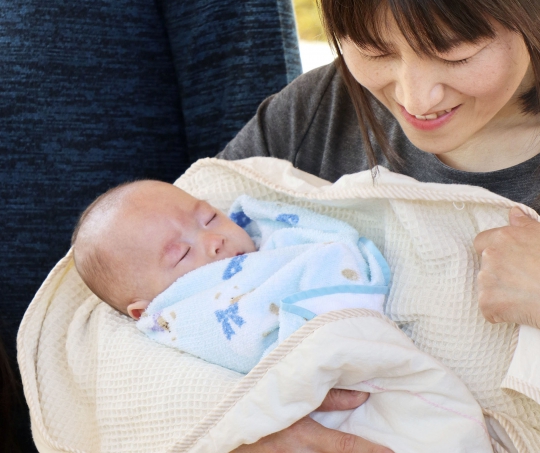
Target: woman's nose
[[418, 86]]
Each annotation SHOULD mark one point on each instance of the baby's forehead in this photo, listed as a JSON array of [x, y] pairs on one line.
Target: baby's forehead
[[150, 205]]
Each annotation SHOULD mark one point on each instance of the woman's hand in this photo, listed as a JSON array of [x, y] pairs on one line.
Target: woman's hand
[[308, 436], [509, 277]]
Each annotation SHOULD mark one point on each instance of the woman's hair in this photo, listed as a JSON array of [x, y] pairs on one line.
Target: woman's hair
[[429, 26]]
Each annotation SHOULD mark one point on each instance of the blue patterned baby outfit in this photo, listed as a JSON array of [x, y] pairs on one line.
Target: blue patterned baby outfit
[[234, 311]]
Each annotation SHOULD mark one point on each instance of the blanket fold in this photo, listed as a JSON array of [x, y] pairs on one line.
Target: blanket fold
[[95, 383], [415, 406]]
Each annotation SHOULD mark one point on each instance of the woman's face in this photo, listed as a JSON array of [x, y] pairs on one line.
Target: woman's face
[[443, 102]]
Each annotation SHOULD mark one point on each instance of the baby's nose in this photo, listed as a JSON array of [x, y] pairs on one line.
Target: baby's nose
[[215, 243]]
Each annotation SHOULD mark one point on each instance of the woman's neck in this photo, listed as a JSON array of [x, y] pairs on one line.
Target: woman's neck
[[504, 142]]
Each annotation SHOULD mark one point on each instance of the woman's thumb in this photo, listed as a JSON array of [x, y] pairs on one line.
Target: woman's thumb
[[519, 218]]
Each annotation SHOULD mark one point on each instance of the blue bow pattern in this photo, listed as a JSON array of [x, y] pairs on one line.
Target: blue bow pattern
[[231, 313], [291, 219]]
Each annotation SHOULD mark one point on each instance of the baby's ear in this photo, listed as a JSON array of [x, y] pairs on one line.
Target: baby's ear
[[135, 309]]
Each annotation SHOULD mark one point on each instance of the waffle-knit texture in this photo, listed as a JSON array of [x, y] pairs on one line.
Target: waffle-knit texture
[[94, 383]]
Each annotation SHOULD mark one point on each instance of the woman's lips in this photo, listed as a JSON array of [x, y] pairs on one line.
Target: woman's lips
[[430, 123]]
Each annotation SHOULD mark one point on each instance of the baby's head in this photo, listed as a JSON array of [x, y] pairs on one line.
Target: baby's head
[[137, 239]]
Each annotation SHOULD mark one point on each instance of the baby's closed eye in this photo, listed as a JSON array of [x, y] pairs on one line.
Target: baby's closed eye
[[175, 253], [184, 255]]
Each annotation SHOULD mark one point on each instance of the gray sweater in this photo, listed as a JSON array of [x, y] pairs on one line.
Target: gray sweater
[[312, 123]]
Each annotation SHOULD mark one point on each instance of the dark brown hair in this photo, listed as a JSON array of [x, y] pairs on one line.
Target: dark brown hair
[[429, 26]]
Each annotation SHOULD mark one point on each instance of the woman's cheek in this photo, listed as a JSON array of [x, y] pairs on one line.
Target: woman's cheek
[[372, 75], [495, 76], [485, 81]]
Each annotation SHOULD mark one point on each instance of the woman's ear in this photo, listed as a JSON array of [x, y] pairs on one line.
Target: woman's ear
[[135, 309]]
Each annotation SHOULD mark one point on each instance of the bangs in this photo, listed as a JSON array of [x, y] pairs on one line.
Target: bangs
[[429, 26]]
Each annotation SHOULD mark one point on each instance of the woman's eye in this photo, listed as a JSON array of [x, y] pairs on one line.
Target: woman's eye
[[457, 62], [212, 218], [375, 57]]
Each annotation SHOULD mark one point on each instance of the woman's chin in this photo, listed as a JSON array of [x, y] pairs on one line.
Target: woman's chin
[[441, 141], [438, 147]]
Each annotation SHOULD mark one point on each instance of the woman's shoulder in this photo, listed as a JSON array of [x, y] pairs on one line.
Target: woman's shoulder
[[314, 84], [311, 123], [295, 117], [304, 93]]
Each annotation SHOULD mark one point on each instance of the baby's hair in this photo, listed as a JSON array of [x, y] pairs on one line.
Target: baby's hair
[[93, 267]]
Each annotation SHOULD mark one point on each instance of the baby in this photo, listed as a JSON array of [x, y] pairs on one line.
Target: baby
[[211, 296], [135, 240], [230, 289]]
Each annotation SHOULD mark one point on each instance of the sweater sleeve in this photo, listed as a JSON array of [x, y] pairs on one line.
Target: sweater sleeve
[[228, 56]]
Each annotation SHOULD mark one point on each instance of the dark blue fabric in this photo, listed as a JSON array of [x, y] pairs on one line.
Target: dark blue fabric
[[96, 92], [247, 48]]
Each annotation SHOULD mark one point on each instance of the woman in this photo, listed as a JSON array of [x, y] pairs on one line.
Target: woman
[[444, 91]]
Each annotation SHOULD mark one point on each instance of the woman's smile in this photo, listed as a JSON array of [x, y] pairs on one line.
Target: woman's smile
[[430, 121]]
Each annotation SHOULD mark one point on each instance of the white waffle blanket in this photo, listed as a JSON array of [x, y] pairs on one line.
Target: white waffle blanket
[[95, 383]]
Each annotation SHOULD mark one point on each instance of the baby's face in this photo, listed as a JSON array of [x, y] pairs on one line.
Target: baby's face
[[164, 233]]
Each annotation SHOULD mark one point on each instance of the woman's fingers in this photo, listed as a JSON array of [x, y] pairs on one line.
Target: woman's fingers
[[343, 400], [508, 281], [325, 440], [308, 436]]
